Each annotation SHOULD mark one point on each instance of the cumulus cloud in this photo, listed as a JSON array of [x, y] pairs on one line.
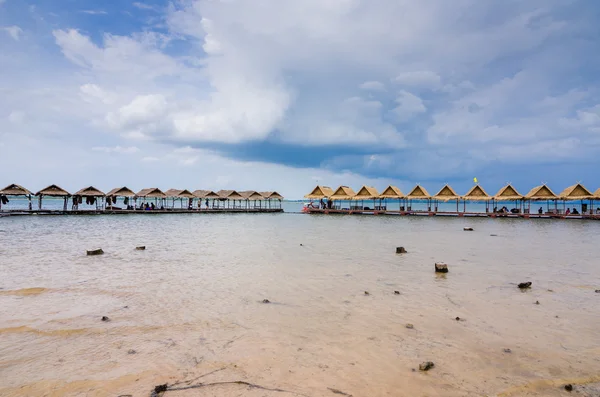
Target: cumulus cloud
[[422, 78], [116, 149], [408, 105], [13, 31]]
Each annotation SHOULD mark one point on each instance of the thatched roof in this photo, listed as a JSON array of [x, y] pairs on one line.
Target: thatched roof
[[391, 192], [90, 191], [542, 192], [173, 192], [446, 194], [597, 194], [508, 193], [418, 193], [343, 193], [15, 190], [477, 193], [230, 194], [367, 193], [576, 192], [271, 195], [205, 194], [320, 192], [251, 195], [151, 193], [121, 192], [53, 190], [178, 193]]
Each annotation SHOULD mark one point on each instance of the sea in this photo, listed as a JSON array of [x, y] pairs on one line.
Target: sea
[[292, 304]]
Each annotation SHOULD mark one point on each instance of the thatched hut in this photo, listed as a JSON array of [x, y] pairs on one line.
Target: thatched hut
[[477, 193], [182, 195], [274, 199], [578, 192], [254, 196], [14, 190], [444, 195], [392, 193], [231, 198], [320, 192], [205, 195], [368, 193], [418, 193], [509, 193], [53, 191], [114, 194], [342, 193], [542, 193], [151, 193], [91, 195]]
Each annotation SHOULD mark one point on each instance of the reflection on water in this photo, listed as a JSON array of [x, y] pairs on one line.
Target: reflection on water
[[191, 304]]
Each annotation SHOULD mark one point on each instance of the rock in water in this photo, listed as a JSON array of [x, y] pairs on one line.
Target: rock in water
[[426, 366], [131, 351], [266, 301], [396, 292], [507, 351], [160, 388], [409, 326], [441, 267], [525, 285], [367, 293], [468, 229], [95, 252], [140, 248], [104, 318], [400, 250], [569, 387], [597, 291]]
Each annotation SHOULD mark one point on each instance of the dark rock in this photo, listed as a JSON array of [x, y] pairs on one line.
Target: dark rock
[[266, 301], [426, 366], [409, 326], [301, 245], [95, 252], [367, 293], [140, 248], [441, 267], [400, 250], [396, 292], [125, 307], [468, 229], [525, 285], [493, 235], [507, 351], [131, 351], [597, 291], [569, 387], [160, 388], [104, 318], [457, 318], [537, 302]]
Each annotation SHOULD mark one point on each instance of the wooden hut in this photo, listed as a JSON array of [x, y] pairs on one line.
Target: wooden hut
[[320, 192], [509, 193], [444, 195], [342, 193], [114, 194], [368, 193], [254, 196], [15, 191], [542, 193], [53, 191], [392, 193], [205, 195], [272, 198], [91, 196], [578, 192], [418, 193], [231, 198], [181, 195], [477, 193], [594, 199], [151, 193]]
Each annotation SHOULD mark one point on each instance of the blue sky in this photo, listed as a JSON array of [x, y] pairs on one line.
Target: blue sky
[[281, 94]]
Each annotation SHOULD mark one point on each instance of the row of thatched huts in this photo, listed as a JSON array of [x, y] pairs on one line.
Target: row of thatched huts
[[576, 192], [159, 199]]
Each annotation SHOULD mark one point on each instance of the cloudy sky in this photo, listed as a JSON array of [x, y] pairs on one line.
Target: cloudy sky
[[285, 94]]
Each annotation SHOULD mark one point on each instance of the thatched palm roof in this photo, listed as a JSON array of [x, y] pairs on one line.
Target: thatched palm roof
[[121, 192], [446, 194], [367, 193], [15, 190], [418, 193], [597, 194], [53, 190], [251, 195], [151, 193], [391, 192], [320, 192], [178, 193], [230, 194], [542, 192], [173, 192], [576, 192], [343, 193], [205, 194], [508, 193], [477, 193], [90, 191], [271, 195]]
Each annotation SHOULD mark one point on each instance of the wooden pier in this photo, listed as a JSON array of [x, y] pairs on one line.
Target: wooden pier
[[142, 212]]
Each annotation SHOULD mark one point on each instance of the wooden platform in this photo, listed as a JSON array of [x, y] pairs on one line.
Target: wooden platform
[[453, 214], [142, 212]]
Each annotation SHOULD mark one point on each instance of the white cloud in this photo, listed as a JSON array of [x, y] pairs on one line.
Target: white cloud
[[150, 159], [144, 6], [423, 78], [116, 149], [13, 31], [408, 105], [92, 92], [373, 86], [94, 12]]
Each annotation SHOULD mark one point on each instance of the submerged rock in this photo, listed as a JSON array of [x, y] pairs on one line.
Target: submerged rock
[[468, 229], [597, 291], [426, 366], [367, 293], [441, 267], [569, 387], [140, 248], [409, 326], [95, 252], [537, 302], [400, 250], [266, 301], [131, 351], [507, 351], [104, 318], [525, 285], [457, 318], [396, 292], [160, 388]]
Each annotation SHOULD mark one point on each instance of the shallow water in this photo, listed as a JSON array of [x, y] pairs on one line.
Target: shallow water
[[191, 303]]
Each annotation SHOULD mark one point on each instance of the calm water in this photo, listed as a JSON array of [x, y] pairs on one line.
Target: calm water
[[190, 304]]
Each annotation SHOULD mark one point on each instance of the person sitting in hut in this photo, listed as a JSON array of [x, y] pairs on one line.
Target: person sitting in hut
[[541, 210], [152, 206], [568, 211], [575, 212], [495, 210], [206, 202]]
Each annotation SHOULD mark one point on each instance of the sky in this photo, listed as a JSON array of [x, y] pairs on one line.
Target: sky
[[285, 94]]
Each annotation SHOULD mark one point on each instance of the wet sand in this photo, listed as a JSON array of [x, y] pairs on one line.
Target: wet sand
[[191, 307]]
